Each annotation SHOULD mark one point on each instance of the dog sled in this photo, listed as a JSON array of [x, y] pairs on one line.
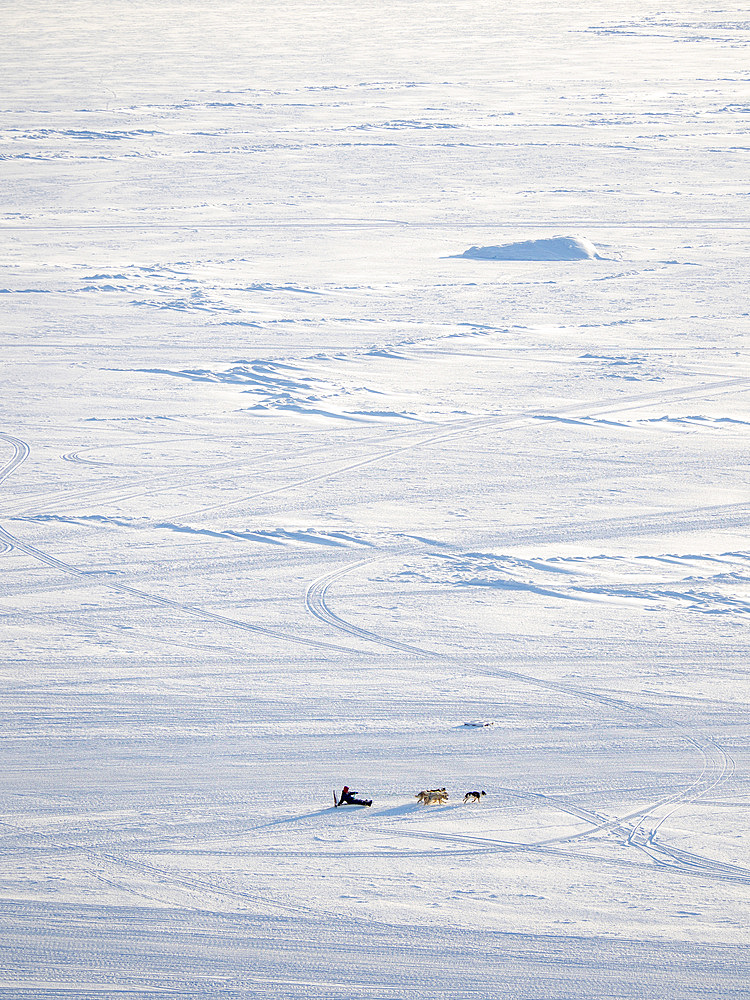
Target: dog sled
[[427, 797]]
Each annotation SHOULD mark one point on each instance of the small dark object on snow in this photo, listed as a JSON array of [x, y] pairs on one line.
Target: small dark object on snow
[[347, 798], [473, 796], [480, 723]]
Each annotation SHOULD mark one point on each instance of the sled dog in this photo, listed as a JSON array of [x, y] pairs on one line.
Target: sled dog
[[431, 796], [473, 796]]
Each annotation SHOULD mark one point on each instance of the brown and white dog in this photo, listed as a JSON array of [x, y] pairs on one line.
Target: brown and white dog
[[473, 796], [432, 796]]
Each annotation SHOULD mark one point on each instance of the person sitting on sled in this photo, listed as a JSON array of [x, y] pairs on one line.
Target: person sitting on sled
[[347, 798]]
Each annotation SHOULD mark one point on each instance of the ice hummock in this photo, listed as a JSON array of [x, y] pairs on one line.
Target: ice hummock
[[551, 248]]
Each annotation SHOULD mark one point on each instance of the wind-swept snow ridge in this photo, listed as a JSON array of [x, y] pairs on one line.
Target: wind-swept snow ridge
[[551, 248]]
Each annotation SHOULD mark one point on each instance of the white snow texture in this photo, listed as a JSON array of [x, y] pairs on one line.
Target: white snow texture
[[298, 492]]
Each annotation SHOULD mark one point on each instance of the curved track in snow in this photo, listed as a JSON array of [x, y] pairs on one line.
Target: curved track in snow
[[638, 828], [316, 604], [20, 453], [633, 826]]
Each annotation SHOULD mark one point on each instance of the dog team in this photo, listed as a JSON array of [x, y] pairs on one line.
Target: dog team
[[427, 797], [439, 796]]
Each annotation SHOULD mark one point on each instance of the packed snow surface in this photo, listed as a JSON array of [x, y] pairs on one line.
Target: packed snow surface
[[555, 248], [292, 498]]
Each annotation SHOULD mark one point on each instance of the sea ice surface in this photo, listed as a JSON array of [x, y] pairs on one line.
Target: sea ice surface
[[296, 492]]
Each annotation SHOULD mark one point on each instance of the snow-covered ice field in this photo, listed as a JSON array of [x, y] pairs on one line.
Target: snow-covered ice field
[[369, 370]]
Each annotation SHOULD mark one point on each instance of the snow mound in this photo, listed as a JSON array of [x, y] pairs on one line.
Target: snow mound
[[553, 248]]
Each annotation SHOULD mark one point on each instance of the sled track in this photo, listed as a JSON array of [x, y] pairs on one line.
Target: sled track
[[696, 864], [192, 611], [466, 426], [158, 483], [682, 861], [162, 482], [165, 881], [425, 437], [502, 422], [717, 765], [21, 452], [315, 602], [668, 857], [315, 598]]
